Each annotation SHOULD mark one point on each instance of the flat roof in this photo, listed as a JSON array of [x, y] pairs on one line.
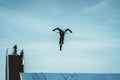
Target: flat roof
[[70, 76]]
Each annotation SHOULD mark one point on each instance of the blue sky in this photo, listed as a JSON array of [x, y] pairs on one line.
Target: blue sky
[[93, 47]]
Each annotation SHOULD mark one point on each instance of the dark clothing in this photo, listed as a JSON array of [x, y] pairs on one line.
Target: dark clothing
[[62, 34]]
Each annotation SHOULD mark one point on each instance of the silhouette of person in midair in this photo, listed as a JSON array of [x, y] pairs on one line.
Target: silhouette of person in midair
[[62, 34]]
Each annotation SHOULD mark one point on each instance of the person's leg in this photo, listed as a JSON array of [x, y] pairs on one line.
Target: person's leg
[[63, 40], [60, 41], [60, 47]]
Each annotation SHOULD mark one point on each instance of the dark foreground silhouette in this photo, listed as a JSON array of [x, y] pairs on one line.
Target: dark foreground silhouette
[[62, 34]]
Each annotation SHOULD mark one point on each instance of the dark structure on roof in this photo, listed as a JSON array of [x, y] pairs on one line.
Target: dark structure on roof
[[14, 64]]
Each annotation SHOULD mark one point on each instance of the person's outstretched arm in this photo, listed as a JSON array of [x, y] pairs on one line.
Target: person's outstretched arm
[[68, 30], [56, 29]]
